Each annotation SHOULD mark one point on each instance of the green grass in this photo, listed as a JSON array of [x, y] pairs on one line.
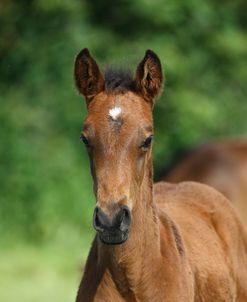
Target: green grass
[[49, 272]]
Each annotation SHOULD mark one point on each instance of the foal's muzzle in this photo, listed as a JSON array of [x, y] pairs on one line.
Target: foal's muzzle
[[115, 229]]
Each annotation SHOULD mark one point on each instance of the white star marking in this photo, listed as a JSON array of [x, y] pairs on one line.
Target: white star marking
[[115, 112]]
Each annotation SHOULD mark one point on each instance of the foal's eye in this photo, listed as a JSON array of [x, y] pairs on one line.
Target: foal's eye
[[84, 140], [146, 144]]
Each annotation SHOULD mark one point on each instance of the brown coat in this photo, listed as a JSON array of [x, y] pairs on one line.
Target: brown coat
[[199, 253]]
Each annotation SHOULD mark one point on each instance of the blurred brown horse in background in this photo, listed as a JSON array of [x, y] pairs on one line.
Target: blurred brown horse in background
[[172, 243], [222, 165]]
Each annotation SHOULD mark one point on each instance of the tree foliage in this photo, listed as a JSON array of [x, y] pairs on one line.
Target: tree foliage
[[45, 181]]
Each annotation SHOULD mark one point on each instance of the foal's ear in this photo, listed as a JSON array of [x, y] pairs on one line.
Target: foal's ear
[[88, 78], [149, 78]]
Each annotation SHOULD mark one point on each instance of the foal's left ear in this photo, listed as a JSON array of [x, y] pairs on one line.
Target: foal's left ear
[[149, 78], [88, 77]]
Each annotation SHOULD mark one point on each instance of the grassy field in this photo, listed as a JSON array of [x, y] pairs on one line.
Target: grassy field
[[48, 272]]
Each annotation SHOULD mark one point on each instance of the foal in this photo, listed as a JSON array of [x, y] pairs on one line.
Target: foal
[[171, 243]]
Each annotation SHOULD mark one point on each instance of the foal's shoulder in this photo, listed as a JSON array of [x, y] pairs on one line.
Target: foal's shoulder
[[189, 194], [187, 189], [196, 206]]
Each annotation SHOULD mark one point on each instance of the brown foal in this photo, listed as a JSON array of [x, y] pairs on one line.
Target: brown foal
[[171, 243]]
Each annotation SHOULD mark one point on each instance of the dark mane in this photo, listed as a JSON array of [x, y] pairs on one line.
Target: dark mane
[[118, 80]]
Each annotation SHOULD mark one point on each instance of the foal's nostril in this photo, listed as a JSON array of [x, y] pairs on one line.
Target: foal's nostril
[[97, 221], [125, 219]]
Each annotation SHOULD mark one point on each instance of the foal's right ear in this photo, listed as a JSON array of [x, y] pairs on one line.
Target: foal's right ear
[[88, 78]]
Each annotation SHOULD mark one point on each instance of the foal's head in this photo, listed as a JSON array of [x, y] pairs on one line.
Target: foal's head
[[118, 132]]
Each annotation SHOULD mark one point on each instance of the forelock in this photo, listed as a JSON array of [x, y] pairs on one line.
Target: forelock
[[119, 80]]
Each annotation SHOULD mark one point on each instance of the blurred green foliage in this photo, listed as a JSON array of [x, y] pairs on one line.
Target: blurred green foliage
[[46, 188]]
